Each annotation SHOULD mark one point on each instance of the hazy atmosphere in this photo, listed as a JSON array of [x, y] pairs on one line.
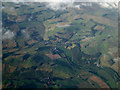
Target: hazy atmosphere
[[60, 44]]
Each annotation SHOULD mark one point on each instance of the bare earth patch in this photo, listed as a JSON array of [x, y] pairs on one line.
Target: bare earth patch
[[98, 27], [99, 81], [53, 57]]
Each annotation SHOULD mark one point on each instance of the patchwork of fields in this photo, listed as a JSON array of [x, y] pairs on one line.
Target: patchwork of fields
[[71, 48]]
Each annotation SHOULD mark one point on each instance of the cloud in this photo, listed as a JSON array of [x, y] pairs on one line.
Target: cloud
[[8, 35], [26, 35], [109, 5], [63, 4], [60, 0]]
